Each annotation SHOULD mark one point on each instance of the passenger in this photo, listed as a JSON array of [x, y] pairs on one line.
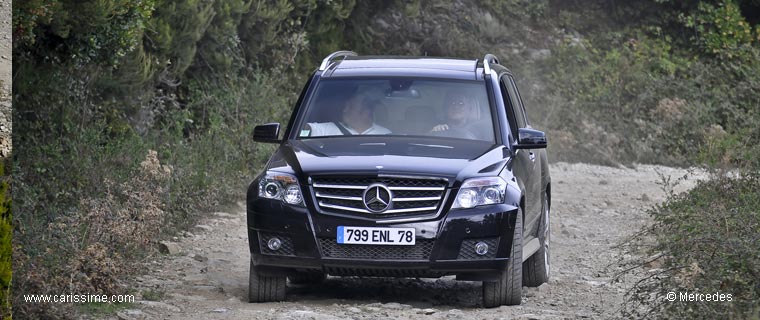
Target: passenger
[[357, 118], [460, 109]]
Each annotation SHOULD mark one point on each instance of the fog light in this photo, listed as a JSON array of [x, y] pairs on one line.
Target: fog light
[[274, 244], [481, 248]]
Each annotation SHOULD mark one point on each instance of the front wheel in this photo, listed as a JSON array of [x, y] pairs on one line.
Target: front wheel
[[537, 267], [262, 288], [508, 289]]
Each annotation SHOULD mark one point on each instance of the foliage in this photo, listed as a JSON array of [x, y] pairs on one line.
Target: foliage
[[172, 36], [78, 32], [275, 33], [721, 31], [703, 241], [521, 10], [667, 103], [6, 234], [142, 199], [219, 49]]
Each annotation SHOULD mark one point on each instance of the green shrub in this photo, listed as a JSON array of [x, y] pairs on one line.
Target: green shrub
[[6, 234], [703, 241], [219, 49], [78, 32], [96, 200], [721, 30], [644, 101]]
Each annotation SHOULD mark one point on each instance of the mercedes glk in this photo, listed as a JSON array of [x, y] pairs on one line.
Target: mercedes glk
[[403, 167]]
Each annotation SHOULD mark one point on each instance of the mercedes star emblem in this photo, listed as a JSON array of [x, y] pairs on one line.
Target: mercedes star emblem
[[377, 198]]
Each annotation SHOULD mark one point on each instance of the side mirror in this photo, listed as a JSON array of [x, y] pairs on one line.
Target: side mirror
[[530, 139], [267, 133]]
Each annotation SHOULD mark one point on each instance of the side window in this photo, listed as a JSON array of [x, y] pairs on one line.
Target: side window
[[519, 100], [515, 107]]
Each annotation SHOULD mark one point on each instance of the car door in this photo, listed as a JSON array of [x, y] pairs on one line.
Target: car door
[[527, 165]]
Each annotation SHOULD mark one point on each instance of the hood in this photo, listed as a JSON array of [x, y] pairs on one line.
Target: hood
[[453, 159]]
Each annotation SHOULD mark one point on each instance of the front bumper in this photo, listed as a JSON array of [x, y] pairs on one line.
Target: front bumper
[[444, 246]]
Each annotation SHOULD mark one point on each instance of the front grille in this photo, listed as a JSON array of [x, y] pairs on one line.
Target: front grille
[[467, 250], [420, 251], [286, 249], [410, 196]]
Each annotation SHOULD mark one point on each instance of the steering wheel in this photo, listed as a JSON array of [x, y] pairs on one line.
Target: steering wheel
[[455, 133]]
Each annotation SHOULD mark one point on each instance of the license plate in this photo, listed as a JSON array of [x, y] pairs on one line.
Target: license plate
[[372, 235]]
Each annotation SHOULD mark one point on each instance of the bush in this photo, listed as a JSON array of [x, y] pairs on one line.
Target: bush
[[6, 234], [721, 30], [96, 199], [70, 240], [70, 32], [99, 102], [703, 241], [644, 101]]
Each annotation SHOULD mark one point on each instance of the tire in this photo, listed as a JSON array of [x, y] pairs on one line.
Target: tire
[[537, 268], [307, 278], [508, 289], [263, 288]]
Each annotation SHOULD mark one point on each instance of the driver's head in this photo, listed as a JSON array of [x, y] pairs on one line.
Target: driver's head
[[459, 107], [358, 111]]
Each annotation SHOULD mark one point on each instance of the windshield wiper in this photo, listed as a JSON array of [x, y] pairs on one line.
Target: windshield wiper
[[431, 145]]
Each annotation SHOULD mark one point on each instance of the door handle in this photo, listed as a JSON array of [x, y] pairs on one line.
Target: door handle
[[532, 156]]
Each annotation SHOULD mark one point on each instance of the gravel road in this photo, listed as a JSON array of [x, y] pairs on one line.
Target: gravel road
[[593, 209]]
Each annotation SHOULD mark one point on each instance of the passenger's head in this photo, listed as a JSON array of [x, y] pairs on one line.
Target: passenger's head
[[459, 107]]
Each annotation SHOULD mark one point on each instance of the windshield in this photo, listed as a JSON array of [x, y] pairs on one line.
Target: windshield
[[398, 106]]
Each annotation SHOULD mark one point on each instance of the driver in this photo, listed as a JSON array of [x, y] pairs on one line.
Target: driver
[[357, 118], [460, 108]]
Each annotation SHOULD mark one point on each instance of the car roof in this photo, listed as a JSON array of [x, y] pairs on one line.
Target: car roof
[[452, 68]]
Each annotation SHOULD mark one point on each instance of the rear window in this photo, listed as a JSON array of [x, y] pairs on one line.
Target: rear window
[[398, 106]]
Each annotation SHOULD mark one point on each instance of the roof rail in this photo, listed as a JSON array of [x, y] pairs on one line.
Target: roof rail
[[489, 58], [336, 54]]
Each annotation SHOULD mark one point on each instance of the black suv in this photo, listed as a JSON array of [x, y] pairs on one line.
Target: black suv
[[403, 167]]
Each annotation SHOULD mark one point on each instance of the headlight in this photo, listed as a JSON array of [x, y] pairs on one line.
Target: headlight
[[480, 191], [280, 186]]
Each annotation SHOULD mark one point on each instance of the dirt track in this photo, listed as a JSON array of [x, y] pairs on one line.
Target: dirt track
[[593, 208]]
